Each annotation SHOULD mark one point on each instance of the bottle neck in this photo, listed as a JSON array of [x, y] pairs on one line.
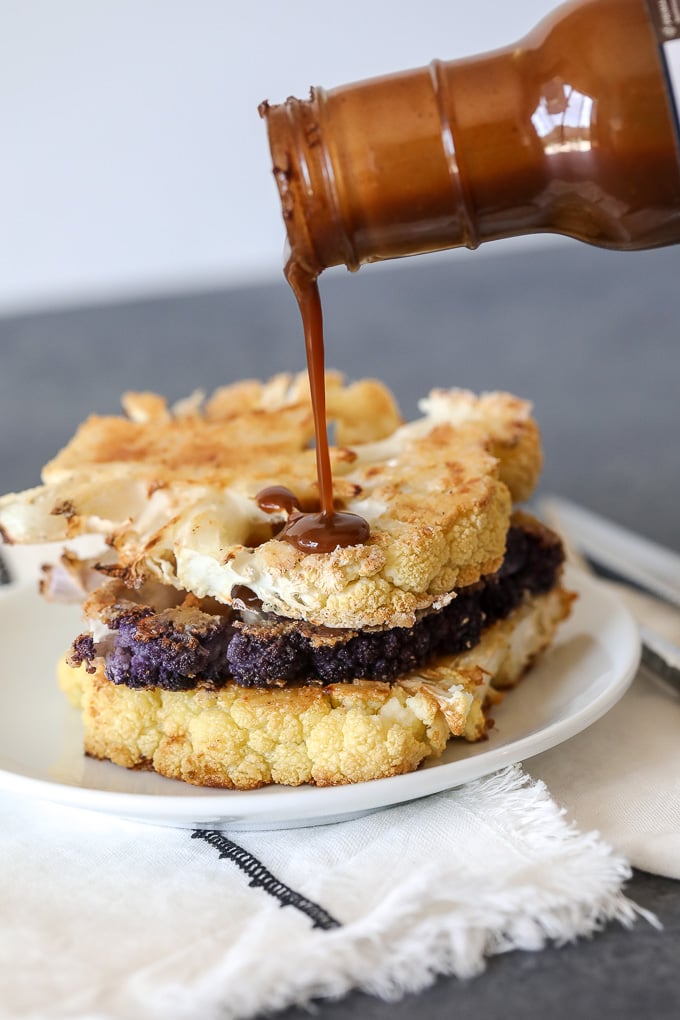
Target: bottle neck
[[306, 179], [570, 131], [369, 171]]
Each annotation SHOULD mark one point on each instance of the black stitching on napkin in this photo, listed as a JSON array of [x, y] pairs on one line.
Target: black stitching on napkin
[[261, 878]]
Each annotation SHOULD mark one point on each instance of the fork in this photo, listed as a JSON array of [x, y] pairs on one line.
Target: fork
[[660, 657]]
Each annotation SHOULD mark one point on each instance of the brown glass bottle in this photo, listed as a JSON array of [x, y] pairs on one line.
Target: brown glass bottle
[[571, 131]]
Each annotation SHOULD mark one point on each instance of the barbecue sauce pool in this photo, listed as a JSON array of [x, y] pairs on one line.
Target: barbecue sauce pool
[[248, 598]]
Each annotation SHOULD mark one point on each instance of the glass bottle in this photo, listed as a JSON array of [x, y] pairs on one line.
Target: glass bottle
[[573, 130]]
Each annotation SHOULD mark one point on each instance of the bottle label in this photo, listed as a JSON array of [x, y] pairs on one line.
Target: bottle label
[[665, 16]]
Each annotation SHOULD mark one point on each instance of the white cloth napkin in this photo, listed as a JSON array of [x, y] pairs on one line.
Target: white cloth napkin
[[622, 775], [106, 920], [103, 919]]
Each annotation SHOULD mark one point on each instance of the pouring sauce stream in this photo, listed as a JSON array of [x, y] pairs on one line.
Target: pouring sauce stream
[[317, 532]]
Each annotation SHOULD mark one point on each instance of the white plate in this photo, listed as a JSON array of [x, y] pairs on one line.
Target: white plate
[[585, 672]]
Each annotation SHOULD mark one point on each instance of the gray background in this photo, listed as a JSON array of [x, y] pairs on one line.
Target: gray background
[[590, 336]]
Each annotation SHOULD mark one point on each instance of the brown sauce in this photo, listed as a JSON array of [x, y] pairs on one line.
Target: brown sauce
[[246, 596], [276, 498], [324, 531]]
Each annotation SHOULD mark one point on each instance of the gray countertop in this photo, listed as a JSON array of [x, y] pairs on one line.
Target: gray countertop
[[591, 337]]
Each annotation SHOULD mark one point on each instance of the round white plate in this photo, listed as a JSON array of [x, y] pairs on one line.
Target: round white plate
[[584, 673]]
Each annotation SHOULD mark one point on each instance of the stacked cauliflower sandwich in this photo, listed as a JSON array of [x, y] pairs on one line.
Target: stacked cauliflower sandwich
[[217, 653]]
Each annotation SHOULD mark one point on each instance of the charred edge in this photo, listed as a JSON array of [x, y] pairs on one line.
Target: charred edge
[[83, 651], [261, 878], [5, 536], [64, 509], [127, 575]]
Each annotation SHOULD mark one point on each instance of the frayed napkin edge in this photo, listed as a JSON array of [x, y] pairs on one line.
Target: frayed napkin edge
[[411, 940]]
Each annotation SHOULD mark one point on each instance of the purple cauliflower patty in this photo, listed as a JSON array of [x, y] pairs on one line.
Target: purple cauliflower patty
[[149, 649]]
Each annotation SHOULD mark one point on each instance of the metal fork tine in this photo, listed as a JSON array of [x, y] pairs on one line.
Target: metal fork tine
[[661, 658], [628, 556]]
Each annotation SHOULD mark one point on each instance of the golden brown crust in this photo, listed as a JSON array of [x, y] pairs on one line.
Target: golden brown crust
[[363, 412], [241, 738], [175, 491], [510, 432]]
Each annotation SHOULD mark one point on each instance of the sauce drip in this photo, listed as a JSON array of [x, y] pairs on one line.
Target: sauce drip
[[316, 532], [322, 533], [246, 596], [277, 497]]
